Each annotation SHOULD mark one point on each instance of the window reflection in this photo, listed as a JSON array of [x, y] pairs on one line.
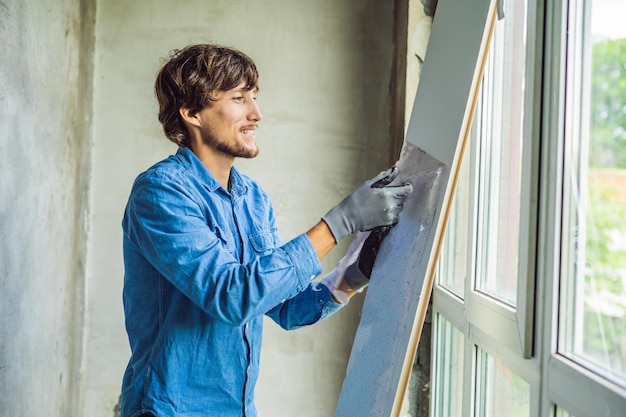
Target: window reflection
[[448, 389], [500, 392], [453, 268]]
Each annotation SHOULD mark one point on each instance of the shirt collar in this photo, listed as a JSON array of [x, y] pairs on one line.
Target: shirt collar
[[192, 162]]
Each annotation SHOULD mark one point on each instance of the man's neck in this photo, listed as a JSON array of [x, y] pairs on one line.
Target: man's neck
[[218, 164]]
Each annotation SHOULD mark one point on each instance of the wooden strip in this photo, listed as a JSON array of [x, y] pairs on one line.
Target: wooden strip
[[402, 279]]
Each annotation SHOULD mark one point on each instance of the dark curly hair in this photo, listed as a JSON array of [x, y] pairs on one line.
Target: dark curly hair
[[191, 75]]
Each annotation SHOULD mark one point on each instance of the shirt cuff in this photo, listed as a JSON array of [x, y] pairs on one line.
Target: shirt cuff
[[329, 305], [304, 258]]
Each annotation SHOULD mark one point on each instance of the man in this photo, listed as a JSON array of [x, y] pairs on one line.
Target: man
[[203, 261]]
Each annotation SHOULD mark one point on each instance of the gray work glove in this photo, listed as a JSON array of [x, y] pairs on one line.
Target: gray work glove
[[373, 204], [357, 275]]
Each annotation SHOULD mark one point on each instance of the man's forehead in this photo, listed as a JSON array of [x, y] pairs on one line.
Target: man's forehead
[[245, 86]]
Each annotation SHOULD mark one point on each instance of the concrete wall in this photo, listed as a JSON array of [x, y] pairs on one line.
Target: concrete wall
[[325, 81], [45, 108]]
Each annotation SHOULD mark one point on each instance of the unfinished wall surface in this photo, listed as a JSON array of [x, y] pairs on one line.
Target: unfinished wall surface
[[45, 107], [325, 77]]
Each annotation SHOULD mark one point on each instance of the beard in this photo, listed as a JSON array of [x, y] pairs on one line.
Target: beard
[[235, 149]]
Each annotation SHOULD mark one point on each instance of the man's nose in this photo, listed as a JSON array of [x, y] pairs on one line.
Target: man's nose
[[255, 112]]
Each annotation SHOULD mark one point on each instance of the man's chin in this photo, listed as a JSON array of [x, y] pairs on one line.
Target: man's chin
[[240, 152], [249, 153]]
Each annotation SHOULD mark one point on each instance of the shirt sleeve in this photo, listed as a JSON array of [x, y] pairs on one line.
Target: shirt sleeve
[[308, 307], [166, 224]]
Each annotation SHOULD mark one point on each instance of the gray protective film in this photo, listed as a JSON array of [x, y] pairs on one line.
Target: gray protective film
[[390, 306]]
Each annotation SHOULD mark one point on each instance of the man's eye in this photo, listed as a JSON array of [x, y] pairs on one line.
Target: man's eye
[[238, 98]]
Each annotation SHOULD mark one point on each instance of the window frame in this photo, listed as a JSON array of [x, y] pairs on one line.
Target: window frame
[[526, 339], [566, 383]]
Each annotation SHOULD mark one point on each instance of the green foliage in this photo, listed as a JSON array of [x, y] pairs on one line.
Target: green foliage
[[606, 220], [608, 104]]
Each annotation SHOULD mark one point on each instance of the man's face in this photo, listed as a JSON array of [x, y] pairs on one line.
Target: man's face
[[229, 122]]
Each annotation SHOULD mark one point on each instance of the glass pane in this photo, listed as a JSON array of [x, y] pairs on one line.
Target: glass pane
[[453, 259], [593, 290], [500, 129], [448, 375], [499, 392], [562, 413]]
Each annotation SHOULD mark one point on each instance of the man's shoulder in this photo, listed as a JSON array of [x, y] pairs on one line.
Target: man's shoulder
[[165, 165], [173, 165], [168, 170]]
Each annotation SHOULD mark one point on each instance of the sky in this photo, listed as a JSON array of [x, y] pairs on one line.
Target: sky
[[608, 18]]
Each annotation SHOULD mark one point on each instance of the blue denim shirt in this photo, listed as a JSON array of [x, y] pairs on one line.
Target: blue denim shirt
[[202, 267]]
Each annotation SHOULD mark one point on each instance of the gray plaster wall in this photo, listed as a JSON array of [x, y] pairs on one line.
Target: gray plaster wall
[[46, 49]]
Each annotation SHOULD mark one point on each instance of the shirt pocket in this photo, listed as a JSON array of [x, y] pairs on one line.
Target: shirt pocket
[[264, 242]]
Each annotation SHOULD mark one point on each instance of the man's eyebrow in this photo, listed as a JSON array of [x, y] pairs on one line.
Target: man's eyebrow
[[246, 88]]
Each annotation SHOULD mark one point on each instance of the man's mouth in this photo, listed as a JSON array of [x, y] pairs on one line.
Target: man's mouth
[[248, 130]]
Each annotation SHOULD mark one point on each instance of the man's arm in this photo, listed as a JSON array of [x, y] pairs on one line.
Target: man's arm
[[169, 230], [322, 239]]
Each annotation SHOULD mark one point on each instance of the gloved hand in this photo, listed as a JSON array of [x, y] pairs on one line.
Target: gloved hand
[[357, 275], [352, 273], [373, 204]]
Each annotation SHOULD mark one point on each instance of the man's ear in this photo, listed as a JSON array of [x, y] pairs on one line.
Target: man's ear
[[189, 117]]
